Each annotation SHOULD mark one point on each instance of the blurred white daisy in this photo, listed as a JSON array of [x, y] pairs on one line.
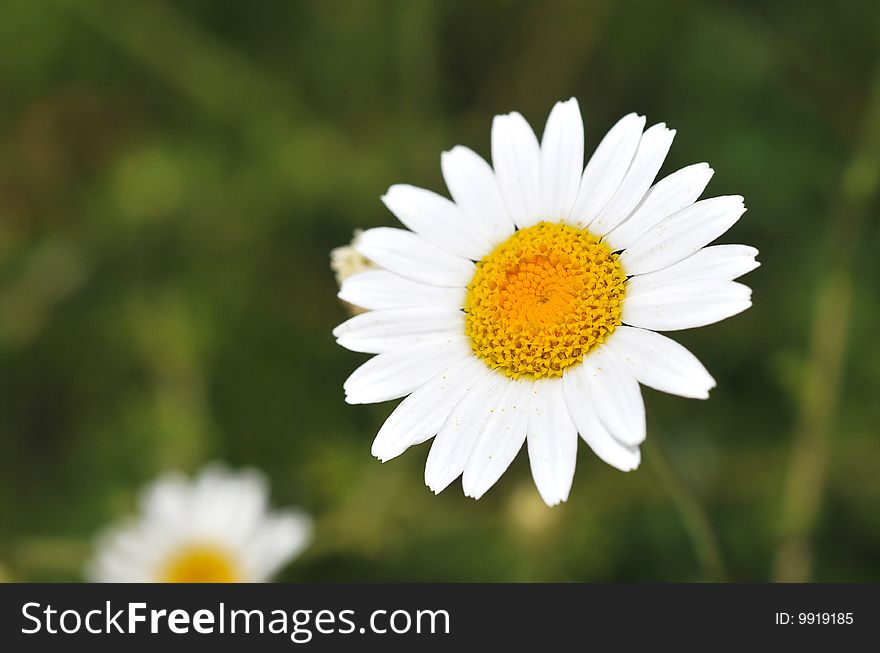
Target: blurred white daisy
[[346, 261], [216, 528], [525, 310]]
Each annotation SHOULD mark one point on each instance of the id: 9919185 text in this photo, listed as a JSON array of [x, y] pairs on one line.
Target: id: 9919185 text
[[814, 618]]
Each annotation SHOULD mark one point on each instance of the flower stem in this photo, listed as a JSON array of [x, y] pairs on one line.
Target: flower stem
[[802, 499], [693, 516]]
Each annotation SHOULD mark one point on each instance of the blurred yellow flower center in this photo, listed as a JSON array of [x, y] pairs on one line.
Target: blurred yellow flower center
[[201, 564], [542, 299]]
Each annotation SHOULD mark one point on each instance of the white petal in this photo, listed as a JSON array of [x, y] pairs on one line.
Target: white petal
[[652, 151], [226, 506], [516, 157], [420, 416], [716, 263], [681, 234], [456, 438], [278, 539], [670, 194], [474, 188], [594, 433], [552, 442], [124, 554], [399, 328], [411, 256], [562, 160], [614, 393], [499, 441], [437, 220], [660, 362], [396, 373], [376, 289], [682, 305], [166, 499], [607, 168]]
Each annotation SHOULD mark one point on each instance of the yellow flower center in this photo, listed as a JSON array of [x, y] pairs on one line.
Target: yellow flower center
[[542, 299], [201, 564]]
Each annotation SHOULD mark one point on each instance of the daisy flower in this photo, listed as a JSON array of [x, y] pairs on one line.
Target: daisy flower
[[216, 528], [526, 309]]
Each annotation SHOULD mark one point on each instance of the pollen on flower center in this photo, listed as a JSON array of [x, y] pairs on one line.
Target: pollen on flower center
[[201, 564], [542, 299]]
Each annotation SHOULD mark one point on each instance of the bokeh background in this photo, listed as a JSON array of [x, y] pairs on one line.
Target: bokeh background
[[173, 176]]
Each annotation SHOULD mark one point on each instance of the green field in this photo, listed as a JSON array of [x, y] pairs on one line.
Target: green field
[[174, 175]]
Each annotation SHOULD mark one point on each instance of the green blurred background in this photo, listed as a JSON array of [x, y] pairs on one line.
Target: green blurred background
[[173, 176]]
